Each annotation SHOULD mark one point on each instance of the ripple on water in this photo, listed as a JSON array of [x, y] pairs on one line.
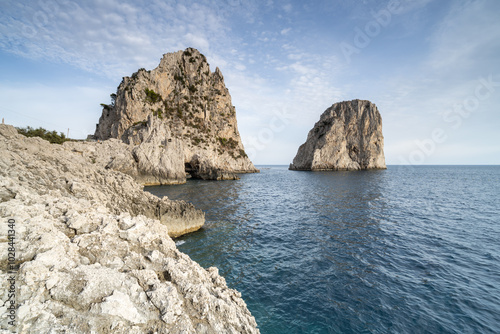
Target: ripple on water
[[403, 250]]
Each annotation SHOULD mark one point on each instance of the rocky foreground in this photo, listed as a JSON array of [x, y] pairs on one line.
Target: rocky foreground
[[348, 136], [94, 251]]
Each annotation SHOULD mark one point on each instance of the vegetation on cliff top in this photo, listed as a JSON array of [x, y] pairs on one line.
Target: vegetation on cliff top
[[195, 103], [50, 136]]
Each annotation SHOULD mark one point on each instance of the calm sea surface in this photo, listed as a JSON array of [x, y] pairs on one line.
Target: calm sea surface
[[403, 250]]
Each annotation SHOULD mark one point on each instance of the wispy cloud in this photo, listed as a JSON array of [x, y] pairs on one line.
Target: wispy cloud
[[275, 56], [462, 49], [287, 8], [107, 36], [468, 39], [285, 31]]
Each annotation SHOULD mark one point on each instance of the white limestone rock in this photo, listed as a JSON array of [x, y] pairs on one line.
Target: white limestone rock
[[91, 261], [67, 170], [348, 136], [178, 119]]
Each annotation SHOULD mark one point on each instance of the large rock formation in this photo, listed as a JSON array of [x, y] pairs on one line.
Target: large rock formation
[[348, 136], [92, 255], [177, 119]]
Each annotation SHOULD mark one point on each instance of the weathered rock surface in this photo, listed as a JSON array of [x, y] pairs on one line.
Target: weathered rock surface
[[64, 169], [91, 258], [179, 119], [348, 136], [129, 159]]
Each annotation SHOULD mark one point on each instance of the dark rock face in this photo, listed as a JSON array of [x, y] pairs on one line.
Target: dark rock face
[[175, 116], [348, 136]]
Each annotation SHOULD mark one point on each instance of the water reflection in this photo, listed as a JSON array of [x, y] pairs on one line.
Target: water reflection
[[341, 233], [279, 227], [351, 252]]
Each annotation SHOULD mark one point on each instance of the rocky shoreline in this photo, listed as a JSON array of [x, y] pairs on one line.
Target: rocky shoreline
[[94, 251]]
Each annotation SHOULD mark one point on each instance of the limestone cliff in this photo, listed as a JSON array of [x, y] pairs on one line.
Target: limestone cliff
[[178, 119], [348, 136], [94, 253]]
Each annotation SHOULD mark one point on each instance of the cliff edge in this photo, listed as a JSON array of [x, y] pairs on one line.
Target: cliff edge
[[348, 136], [179, 122], [93, 252]]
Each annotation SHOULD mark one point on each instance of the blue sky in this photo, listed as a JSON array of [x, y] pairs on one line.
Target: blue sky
[[431, 66]]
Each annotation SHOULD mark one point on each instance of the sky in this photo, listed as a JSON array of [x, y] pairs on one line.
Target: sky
[[432, 67]]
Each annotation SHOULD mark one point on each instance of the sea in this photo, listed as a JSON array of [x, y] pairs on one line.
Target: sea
[[410, 249]]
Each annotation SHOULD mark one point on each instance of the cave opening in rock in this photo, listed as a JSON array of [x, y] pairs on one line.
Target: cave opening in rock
[[189, 169]]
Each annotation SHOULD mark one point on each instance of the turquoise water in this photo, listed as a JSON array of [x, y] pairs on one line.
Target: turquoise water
[[402, 250]]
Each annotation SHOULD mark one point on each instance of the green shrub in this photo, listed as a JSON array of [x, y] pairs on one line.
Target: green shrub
[[243, 153], [228, 143], [50, 136], [222, 141], [151, 96], [158, 113], [196, 141], [134, 75], [106, 107], [113, 99]]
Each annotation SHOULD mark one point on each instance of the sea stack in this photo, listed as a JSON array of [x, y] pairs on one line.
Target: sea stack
[[348, 136], [178, 120]]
